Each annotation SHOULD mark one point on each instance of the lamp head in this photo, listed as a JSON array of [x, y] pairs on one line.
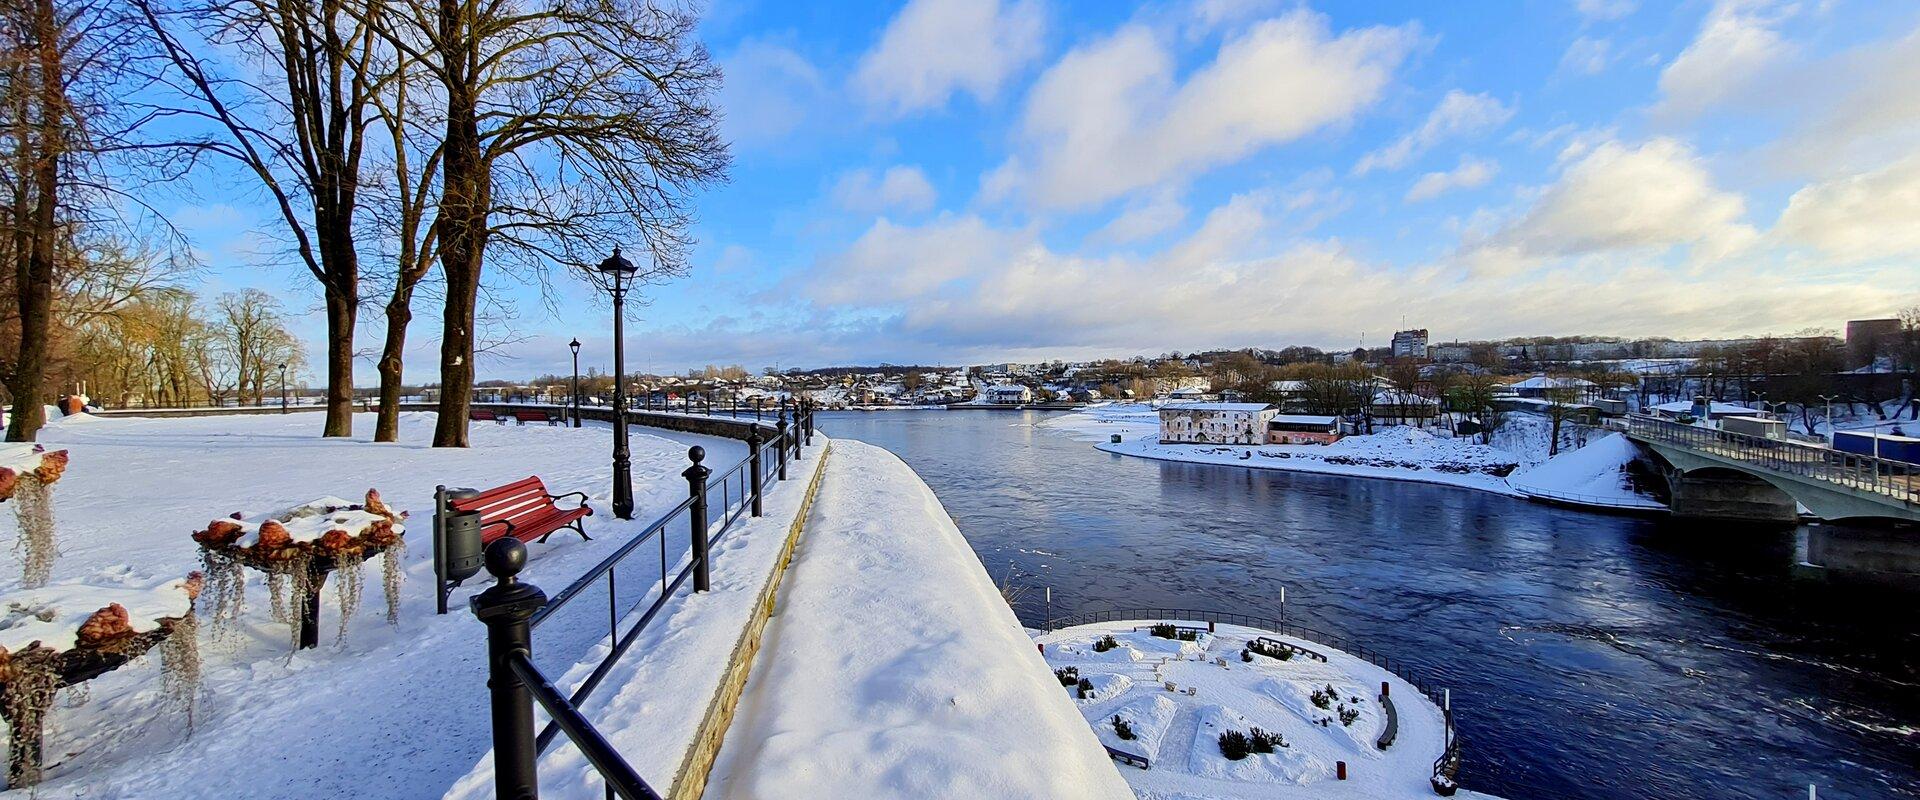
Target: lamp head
[[575, 346], [617, 268]]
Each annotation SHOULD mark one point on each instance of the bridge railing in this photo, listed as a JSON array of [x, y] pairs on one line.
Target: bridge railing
[[1897, 480]]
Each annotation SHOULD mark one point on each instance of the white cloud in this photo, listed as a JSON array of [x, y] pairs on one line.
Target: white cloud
[[900, 187], [1612, 196], [1111, 116], [1736, 49], [1587, 56], [1458, 114], [1472, 173], [769, 91], [1161, 213], [891, 263], [935, 48], [1605, 10], [1860, 110], [1859, 217]]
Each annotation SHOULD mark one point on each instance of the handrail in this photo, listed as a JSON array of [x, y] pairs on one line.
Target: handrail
[[620, 777], [1897, 480]]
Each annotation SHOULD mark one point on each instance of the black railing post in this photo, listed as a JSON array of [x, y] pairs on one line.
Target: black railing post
[[754, 441], [797, 426], [781, 428], [809, 423], [696, 476], [505, 608]]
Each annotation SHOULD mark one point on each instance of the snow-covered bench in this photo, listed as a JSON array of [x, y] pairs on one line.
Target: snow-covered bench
[[523, 510], [524, 416]]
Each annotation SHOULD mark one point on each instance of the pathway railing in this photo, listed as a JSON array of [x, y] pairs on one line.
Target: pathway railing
[[1898, 481], [511, 610], [1449, 762]]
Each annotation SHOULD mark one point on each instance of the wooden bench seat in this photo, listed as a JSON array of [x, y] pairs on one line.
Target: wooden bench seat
[[524, 510], [485, 415], [525, 416]]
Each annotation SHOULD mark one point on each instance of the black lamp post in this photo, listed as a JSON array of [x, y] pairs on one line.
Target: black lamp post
[[615, 276], [283, 388], [575, 346]]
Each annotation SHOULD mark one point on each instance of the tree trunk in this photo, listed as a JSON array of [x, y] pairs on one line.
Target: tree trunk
[[33, 281], [386, 427], [342, 302], [463, 235]]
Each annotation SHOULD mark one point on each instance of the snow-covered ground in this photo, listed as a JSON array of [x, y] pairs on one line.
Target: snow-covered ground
[[893, 669], [393, 712], [1594, 475], [1214, 691]]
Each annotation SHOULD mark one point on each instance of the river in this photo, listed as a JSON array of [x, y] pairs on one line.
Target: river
[[1589, 656]]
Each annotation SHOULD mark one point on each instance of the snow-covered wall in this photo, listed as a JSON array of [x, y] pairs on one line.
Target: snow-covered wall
[[894, 669]]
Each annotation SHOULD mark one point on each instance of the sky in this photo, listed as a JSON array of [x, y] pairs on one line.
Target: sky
[[970, 181]]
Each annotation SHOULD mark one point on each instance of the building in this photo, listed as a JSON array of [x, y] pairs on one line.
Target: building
[[1187, 394], [1215, 423], [1544, 387], [1008, 394], [1303, 429], [1867, 339], [1410, 344], [1399, 407]]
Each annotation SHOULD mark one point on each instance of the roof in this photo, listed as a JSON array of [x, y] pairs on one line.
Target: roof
[[1216, 407], [1304, 419], [1544, 382]]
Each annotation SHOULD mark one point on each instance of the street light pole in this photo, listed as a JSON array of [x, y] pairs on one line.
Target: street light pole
[[575, 346], [283, 388], [1829, 401], [616, 274]]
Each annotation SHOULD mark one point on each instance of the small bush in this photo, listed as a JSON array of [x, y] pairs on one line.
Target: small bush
[[1261, 741], [1245, 655], [1084, 687], [1270, 650], [1348, 715], [1323, 698], [1122, 728], [1164, 630], [1235, 745], [1069, 676], [1106, 643]]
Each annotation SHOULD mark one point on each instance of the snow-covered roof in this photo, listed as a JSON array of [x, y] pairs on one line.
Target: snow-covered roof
[[1287, 386], [1399, 397], [1304, 419], [1716, 407], [1216, 407], [1545, 382]]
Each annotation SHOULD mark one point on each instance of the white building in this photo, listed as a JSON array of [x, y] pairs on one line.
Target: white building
[[1215, 423], [1008, 394], [1410, 344]]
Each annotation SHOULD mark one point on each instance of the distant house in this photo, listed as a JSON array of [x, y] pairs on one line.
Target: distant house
[[1008, 394], [1303, 429], [1187, 394], [1398, 407], [1215, 423], [1541, 387]]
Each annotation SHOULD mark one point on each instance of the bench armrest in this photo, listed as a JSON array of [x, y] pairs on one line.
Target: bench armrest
[[508, 523], [581, 495]]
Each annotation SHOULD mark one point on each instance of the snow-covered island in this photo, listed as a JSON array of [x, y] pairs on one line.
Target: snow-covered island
[[1515, 464]]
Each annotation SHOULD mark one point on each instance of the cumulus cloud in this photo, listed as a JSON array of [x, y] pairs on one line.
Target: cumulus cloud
[[1860, 110], [1604, 10], [1861, 217], [1613, 196], [1458, 115], [1112, 116], [1737, 47], [1471, 173], [769, 92], [900, 187], [934, 49]]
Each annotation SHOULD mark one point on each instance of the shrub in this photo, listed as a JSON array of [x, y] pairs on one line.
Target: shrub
[[1069, 676], [1106, 643], [1261, 741], [1164, 630], [1084, 687], [1235, 745], [1348, 715], [1245, 655], [1270, 650], [1122, 728], [1322, 698]]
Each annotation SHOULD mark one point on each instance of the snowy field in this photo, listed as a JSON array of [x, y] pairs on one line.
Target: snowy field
[[1215, 691], [1586, 471], [391, 712]]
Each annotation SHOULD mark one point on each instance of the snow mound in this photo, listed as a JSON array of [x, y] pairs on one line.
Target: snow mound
[[1106, 686], [1596, 472], [1297, 696], [1149, 716], [1283, 765]]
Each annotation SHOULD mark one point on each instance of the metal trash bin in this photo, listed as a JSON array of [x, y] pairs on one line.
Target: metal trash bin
[[457, 551]]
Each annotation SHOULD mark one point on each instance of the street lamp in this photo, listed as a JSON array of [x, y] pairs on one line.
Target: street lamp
[[283, 388], [575, 346], [615, 276], [1828, 399]]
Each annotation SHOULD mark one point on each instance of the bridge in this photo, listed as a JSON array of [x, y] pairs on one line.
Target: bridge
[[1722, 474]]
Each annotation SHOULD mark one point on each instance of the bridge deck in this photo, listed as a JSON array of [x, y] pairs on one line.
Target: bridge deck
[[1892, 483]]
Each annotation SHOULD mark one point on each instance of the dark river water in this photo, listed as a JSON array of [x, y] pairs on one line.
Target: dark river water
[[1589, 656]]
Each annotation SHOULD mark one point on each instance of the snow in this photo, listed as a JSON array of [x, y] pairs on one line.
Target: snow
[[1180, 731], [402, 709], [1592, 475], [893, 668], [311, 520], [52, 615]]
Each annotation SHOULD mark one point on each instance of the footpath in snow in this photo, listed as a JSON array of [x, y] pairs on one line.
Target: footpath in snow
[[892, 668], [390, 712]]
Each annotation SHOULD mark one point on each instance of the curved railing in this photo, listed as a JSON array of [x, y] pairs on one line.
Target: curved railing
[[1449, 762]]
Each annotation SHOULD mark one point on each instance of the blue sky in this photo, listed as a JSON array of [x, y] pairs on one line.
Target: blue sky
[[963, 181]]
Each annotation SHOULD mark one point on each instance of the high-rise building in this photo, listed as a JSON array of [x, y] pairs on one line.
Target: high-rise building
[[1410, 344]]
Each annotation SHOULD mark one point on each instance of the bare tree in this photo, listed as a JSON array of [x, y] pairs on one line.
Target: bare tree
[[301, 132]]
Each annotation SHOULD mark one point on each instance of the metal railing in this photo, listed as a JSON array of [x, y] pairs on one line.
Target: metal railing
[[1447, 765], [512, 610], [1898, 481]]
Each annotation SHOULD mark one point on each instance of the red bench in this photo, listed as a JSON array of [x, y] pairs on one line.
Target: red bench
[[485, 415], [523, 510], [524, 417]]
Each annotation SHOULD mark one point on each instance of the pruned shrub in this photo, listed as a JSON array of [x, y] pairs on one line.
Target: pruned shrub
[[1348, 715], [1122, 728], [1235, 745], [1270, 650], [1262, 741], [1323, 698], [1106, 643], [1082, 688], [1164, 630], [1068, 676], [1245, 655]]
